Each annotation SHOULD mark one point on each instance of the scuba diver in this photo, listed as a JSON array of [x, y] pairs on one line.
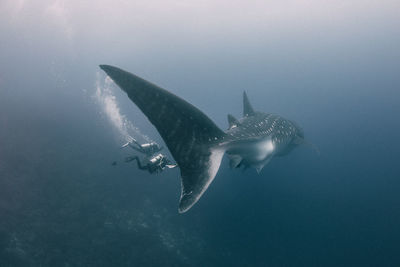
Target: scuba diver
[[155, 164], [148, 148]]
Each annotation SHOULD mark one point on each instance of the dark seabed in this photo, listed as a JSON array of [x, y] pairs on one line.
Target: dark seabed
[[333, 68]]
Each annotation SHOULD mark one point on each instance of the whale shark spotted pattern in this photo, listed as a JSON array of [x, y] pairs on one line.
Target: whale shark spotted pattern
[[197, 144]]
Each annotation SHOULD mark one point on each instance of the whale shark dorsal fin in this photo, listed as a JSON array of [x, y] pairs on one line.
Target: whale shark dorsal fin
[[232, 121], [189, 134], [247, 108]]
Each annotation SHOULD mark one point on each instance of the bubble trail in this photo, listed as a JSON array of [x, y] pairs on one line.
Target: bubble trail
[[105, 97]]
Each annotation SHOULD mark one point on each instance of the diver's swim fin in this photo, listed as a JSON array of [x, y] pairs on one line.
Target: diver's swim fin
[[125, 145]]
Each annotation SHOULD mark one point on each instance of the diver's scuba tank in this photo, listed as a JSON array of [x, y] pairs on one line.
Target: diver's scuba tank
[[150, 148]]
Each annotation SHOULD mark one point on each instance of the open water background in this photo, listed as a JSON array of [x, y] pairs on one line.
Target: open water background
[[331, 66]]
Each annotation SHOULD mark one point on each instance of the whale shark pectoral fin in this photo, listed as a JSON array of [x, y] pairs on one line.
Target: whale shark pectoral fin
[[314, 147], [262, 164], [197, 178], [259, 168], [235, 161], [301, 141], [189, 134], [247, 108]]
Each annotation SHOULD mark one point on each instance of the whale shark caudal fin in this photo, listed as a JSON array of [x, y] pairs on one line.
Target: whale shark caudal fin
[[247, 108], [188, 133]]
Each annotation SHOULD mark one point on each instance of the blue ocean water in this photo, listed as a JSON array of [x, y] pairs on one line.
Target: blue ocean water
[[333, 70]]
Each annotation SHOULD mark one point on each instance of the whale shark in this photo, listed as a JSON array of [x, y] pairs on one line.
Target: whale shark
[[197, 144]]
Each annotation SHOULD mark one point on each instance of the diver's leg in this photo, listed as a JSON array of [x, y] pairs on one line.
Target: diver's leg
[[136, 146], [139, 164], [131, 158], [138, 149]]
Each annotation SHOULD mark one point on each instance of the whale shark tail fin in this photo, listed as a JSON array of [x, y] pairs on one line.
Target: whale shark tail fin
[[247, 108], [189, 134]]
